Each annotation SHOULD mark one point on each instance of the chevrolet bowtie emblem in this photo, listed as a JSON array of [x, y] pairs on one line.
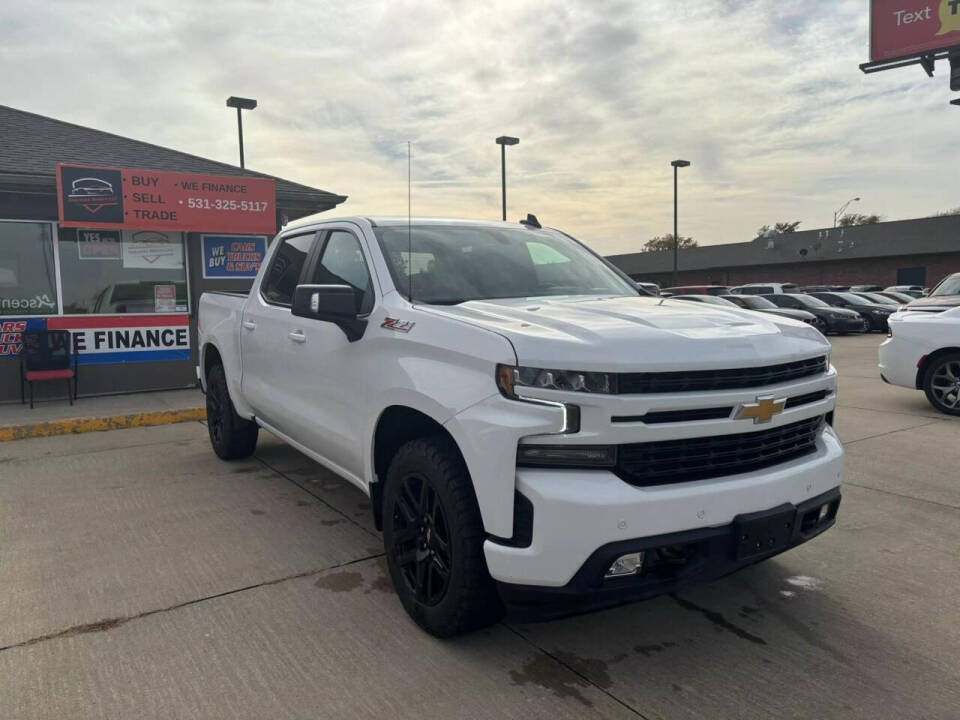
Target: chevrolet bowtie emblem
[[762, 411]]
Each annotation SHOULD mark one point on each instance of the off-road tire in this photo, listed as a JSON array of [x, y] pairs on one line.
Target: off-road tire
[[936, 383], [469, 599], [231, 436]]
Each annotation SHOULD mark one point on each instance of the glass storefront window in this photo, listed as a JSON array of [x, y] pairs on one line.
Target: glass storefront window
[[28, 283], [109, 271]]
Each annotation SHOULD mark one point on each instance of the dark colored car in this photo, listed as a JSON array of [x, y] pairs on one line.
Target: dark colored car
[[944, 296], [865, 288], [835, 320], [874, 314], [823, 288], [879, 299], [697, 290], [759, 303], [900, 297]]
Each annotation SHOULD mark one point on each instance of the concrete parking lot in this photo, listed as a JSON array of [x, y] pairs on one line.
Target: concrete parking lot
[[140, 577]]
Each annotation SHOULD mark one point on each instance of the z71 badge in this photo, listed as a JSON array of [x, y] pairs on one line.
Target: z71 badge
[[403, 326]]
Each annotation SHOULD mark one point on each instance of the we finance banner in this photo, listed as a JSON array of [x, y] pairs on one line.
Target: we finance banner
[[127, 338]]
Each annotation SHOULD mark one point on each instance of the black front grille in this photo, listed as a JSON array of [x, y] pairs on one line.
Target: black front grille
[[675, 461], [704, 380]]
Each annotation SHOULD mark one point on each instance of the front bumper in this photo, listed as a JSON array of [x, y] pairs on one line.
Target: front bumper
[[576, 512], [675, 560]]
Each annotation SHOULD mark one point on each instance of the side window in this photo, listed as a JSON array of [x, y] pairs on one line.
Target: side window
[[342, 263], [284, 274]]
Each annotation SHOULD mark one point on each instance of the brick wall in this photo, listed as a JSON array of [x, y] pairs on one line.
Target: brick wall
[[879, 271]]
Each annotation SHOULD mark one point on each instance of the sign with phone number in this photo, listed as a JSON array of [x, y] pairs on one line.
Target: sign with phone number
[[103, 198]]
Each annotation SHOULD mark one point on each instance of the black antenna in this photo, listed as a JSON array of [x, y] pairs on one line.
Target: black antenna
[[409, 231]]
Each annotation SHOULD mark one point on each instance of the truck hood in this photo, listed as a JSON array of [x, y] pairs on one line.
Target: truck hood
[[630, 334]]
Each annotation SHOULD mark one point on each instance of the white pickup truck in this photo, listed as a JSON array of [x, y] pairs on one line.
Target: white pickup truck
[[530, 429]]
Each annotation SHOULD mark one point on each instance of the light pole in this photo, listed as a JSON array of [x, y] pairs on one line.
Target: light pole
[[240, 104], [503, 141], [839, 213], [677, 164]]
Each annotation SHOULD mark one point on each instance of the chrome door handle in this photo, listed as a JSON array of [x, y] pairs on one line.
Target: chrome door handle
[[249, 325], [297, 336]]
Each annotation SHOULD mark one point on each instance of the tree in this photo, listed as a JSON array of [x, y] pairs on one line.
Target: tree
[[951, 211], [665, 242], [780, 227], [851, 219]]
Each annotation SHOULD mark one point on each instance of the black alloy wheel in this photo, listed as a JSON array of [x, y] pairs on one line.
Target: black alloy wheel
[[421, 540], [231, 436]]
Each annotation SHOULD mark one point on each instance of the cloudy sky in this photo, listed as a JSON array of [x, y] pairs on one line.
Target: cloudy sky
[[764, 97]]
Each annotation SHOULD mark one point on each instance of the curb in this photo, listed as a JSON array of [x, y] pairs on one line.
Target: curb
[[74, 426]]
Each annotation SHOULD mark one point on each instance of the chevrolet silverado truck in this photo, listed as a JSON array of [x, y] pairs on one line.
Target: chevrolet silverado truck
[[533, 433]]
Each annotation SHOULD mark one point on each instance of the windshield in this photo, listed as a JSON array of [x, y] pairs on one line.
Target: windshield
[[808, 301], [950, 286], [879, 299], [752, 302], [852, 298], [451, 264]]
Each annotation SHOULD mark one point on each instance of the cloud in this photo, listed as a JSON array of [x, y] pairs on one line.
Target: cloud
[[764, 97]]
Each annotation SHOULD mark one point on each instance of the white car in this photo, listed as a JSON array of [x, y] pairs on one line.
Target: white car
[[923, 353], [529, 428], [764, 289]]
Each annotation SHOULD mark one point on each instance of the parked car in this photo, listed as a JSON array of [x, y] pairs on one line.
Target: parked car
[[763, 289], [823, 288], [836, 320], [649, 288], [944, 296], [874, 314], [697, 290], [527, 426], [923, 353], [759, 303], [911, 290], [898, 296], [865, 288]]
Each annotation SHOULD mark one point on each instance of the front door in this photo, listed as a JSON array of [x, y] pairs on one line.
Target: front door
[[337, 369]]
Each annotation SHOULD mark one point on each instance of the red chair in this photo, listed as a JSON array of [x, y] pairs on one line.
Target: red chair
[[48, 355]]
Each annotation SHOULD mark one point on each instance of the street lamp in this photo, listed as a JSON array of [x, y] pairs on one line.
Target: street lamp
[[503, 141], [677, 164], [240, 104], [839, 213]]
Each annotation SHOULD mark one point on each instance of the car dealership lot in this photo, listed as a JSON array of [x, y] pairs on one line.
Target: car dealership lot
[[142, 577]]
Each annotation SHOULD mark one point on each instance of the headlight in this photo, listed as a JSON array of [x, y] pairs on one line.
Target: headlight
[[511, 378], [878, 312]]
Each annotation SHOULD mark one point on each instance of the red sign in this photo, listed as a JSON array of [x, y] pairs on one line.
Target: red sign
[[903, 28], [107, 198]]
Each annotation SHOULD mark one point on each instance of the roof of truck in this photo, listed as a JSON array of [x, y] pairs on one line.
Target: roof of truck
[[395, 221]]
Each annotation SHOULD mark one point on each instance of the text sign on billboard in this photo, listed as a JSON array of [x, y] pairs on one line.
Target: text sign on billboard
[[127, 338], [903, 28], [110, 198], [232, 256]]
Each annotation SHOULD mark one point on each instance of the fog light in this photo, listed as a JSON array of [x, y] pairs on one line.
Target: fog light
[[624, 565], [824, 511]]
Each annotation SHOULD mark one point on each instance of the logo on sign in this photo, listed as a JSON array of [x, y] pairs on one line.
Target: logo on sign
[[91, 194]]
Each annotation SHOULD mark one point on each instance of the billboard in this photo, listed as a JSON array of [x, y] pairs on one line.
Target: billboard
[[101, 198], [907, 28]]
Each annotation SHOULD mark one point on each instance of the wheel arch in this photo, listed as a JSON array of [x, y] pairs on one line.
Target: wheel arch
[[398, 424], [926, 360]]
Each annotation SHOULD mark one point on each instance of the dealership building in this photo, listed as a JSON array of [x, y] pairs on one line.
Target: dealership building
[[908, 252], [96, 238]]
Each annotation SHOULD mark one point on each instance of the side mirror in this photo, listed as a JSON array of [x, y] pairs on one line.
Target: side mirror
[[926, 292], [335, 304]]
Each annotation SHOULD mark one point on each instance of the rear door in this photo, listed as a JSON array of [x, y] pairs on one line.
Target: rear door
[[269, 347]]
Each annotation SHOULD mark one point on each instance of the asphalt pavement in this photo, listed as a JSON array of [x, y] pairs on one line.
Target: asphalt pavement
[[141, 577]]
